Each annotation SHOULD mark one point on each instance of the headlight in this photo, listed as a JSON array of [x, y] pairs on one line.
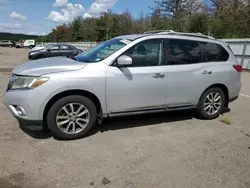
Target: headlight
[[32, 53], [26, 82]]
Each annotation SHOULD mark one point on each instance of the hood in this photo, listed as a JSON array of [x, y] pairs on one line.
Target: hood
[[37, 48], [48, 65]]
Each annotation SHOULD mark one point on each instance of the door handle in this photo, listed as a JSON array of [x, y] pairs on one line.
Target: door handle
[[159, 75], [207, 72]]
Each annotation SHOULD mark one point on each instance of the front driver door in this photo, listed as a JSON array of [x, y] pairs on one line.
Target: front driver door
[[54, 51], [66, 51], [141, 86]]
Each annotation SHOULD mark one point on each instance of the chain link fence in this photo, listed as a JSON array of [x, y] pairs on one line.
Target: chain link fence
[[241, 50], [80, 45]]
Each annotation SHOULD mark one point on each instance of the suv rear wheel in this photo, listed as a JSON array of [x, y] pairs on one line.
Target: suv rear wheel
[[211, 103], [71, 117]]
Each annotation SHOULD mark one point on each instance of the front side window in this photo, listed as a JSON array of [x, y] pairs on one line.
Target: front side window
[[55, 47], [102, 51], [146, 53], [181, 52], [213, 52], [64, 47]]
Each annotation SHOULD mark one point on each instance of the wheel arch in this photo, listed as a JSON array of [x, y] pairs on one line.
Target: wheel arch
[[223, 88], [60, 95]]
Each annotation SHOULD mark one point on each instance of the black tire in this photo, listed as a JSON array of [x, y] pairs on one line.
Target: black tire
[[200, 109], [40, 56], [30, 47], [52, 113]]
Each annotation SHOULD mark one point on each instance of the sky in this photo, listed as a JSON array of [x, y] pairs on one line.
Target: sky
[[39, 17]]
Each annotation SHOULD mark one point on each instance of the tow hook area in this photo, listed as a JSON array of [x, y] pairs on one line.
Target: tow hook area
[[99, 117], [99, 120]]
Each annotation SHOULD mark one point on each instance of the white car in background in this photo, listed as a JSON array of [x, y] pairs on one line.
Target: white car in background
[[30, 43]]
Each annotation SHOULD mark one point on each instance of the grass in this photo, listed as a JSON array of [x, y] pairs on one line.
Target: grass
[[246, 70], [225, 120]]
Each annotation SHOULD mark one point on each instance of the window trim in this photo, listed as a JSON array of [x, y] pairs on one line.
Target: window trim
[[114, 62]]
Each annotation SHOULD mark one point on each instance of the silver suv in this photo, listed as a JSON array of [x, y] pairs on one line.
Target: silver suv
[[127, 75]]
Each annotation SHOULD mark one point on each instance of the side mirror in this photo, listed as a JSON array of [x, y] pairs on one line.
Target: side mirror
[[124, 60], [48, 50]]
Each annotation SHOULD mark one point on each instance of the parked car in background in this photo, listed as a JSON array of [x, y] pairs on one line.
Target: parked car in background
[[39, 46], [54, 50], [30, 43], [7, 43], [127, 75]]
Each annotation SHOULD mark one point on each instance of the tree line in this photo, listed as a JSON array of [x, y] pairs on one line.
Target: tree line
[[218, 18], [16, 37]]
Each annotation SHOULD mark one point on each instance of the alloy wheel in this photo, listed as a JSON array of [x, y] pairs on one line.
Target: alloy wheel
[[72, 118], [212, 103]]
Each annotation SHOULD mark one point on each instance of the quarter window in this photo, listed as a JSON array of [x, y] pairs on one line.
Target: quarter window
[[213, 52], [181, 52], [146, 53]]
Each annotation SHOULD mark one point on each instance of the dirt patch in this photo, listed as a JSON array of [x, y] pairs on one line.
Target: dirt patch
[[6, 70], [17, 180]]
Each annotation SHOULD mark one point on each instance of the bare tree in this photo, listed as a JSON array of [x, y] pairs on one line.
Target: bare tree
[[179, 8], [170, 8], [193, 6]]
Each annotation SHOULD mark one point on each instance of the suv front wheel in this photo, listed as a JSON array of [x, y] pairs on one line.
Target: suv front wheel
[[211, 103], [71, 117]]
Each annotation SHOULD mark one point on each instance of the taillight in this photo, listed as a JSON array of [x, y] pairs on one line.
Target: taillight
[[238, 68]]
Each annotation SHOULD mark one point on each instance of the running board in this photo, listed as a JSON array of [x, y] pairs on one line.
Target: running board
[[118, 114], [180, 108], [136, 113]]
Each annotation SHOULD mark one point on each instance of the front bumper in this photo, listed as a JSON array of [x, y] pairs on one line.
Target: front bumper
[[25, 105], [31, 57]]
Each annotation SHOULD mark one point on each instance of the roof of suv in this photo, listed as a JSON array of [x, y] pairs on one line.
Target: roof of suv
[[196, 36]]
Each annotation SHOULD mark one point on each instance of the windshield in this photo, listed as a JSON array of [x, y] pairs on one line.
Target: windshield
[[39, 44], [48, 46], [102, 51]]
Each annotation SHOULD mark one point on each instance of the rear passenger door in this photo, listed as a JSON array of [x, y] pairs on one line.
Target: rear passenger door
[[192, 66]]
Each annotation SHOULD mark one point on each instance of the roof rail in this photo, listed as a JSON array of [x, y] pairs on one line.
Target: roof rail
[[187, 34], [157, 31]]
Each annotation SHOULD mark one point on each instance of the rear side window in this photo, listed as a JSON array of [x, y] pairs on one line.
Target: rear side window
[[213, 52], [181, 52]]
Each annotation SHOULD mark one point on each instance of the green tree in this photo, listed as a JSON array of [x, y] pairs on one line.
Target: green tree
[[77, 34], [199, 23]]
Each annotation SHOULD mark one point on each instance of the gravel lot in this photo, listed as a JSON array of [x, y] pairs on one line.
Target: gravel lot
[[153, 151]]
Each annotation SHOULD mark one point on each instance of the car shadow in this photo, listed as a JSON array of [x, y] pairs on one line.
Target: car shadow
[[36, 132], [118, 123]]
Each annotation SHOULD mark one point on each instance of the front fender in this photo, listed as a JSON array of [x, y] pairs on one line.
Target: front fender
[[59, 84]]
